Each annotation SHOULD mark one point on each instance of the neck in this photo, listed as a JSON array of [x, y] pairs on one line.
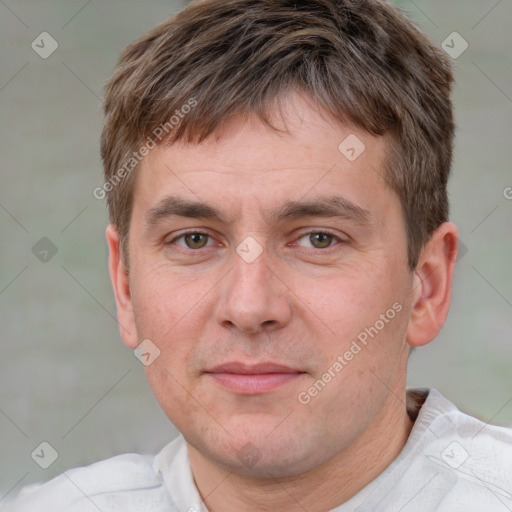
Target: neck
[[318, 490]]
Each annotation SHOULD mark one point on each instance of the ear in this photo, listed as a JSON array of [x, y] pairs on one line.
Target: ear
[[121, 285], [432, 285]]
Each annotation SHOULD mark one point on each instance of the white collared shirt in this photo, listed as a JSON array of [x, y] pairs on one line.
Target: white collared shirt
[[451, 462]]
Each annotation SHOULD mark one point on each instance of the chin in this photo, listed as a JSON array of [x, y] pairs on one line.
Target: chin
[[280, 462], [257, 451]]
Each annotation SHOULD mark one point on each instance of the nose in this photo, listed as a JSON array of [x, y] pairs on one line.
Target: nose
[[252, 297]]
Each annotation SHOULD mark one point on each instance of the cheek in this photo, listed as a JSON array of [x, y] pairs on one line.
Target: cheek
[[177, 397], [161, 300], [349, 302], [166, 312]]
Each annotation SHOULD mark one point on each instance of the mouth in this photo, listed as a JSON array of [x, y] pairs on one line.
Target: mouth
[[255, 379]]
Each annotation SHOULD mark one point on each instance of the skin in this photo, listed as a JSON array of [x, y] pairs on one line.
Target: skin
[[301, 303]]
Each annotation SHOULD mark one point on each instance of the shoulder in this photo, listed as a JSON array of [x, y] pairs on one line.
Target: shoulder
[[123, 483], [468, 460], [473, 439]]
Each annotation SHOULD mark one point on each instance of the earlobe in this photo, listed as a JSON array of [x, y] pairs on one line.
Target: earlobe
[[432, 285], [121, 287]]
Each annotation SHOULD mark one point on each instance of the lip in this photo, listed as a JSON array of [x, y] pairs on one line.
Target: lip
[[252, 369], [253, 379]]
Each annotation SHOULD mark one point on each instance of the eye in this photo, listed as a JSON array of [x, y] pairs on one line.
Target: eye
[[198, 240], [320, 239], [192, 239]]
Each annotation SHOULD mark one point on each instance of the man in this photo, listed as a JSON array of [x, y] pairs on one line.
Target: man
[[276, 177]]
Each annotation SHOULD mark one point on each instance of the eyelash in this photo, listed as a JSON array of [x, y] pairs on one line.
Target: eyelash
[[301, 235]]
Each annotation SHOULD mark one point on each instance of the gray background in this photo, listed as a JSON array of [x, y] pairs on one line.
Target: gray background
[[65, 376]]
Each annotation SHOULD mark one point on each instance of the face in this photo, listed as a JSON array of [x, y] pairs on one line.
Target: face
[[280, 299]]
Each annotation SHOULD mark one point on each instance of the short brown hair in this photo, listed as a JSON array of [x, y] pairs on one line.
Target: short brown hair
[[363, 61]]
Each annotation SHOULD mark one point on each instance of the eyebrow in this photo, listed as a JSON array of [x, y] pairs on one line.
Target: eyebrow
[[331, 206]]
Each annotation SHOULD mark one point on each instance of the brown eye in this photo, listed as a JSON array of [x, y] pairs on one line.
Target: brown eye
[[320, 240], [190, 240], [195, 240]]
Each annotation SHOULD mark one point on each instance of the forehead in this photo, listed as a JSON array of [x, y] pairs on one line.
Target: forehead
[[248, 165]]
